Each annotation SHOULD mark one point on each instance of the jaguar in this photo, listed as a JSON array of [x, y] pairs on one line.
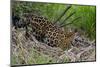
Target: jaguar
[[45, 31]]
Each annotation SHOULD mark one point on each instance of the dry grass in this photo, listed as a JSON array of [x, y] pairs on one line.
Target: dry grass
[[31, 51]]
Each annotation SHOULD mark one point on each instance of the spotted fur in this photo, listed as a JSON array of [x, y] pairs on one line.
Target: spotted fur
[[46, 31]]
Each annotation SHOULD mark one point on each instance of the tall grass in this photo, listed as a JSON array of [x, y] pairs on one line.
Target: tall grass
[[87, 22]]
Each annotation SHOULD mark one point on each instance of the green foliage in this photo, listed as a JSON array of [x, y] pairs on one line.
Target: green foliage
[[86, 23]]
